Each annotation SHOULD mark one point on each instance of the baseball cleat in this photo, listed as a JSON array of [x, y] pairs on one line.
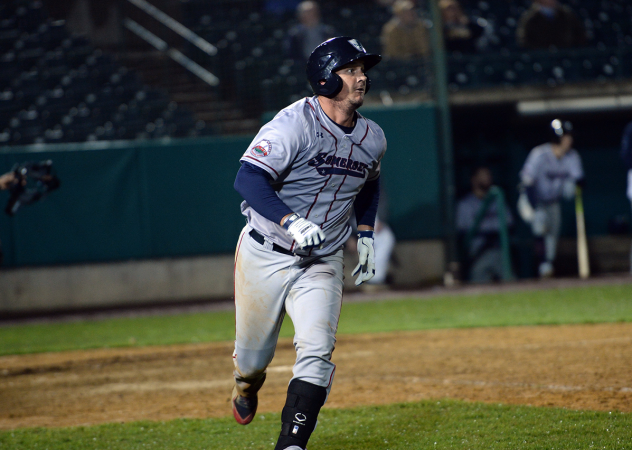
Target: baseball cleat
[[244, 408]]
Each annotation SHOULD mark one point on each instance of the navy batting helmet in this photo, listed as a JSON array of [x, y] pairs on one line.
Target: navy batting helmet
[[331, 55], [559, 128]]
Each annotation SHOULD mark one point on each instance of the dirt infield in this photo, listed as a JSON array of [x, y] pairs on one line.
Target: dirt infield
[[572, 366]]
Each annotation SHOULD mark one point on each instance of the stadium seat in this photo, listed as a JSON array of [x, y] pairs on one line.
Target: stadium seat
[[29, 15], [54, 135], [52, 34], [44, 66], [56, 87], [26, 127]]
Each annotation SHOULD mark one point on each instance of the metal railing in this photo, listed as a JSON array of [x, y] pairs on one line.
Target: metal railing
[[162, 46]]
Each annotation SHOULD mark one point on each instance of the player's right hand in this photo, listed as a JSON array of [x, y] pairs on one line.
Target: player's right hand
[[306, 234]]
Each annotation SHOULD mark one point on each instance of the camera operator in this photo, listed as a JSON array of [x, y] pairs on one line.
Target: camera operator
[[7, 179], [27, 183]]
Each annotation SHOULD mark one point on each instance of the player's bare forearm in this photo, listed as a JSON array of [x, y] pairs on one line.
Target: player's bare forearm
[[284, 218]]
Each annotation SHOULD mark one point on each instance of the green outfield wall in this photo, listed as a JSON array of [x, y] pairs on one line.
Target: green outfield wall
[[151, 199], [128, 200]]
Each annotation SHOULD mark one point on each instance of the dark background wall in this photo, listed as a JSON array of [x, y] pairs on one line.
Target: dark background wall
[[498, 137], [129, 200], [134, 200]]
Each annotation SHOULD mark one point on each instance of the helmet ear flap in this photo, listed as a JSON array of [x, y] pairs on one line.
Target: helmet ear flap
[[331, 88], [333, 85]]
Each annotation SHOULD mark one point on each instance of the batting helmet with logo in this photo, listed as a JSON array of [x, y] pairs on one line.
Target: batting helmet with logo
[[559, 128], [331, 55]]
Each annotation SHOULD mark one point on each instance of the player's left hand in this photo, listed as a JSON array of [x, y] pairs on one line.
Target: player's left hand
[[366, 257]]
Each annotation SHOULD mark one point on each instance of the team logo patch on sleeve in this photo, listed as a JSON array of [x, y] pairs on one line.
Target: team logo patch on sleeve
[[261, 149]]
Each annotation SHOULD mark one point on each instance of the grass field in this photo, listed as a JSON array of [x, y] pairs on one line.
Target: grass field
[[586, 304], [423, 425], [437, 424]]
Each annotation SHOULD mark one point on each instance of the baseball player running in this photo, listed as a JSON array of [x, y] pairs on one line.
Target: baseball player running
[[300, 178], [549, 174]]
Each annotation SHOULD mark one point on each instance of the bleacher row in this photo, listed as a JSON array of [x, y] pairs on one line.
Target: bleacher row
[[252, 62], [252, 49], [55, 87], [539, 68], [606, 57]]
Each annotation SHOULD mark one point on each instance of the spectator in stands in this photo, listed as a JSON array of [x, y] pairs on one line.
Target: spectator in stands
[[460, 34], [550, 24], [405, 36], [280, 7], [484, 252], [309, 33], [99, 21]]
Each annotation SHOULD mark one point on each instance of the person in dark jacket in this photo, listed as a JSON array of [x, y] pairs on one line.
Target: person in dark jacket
[[484, 255], [460, 34], [405, 36], [305, 36], [550, 24]]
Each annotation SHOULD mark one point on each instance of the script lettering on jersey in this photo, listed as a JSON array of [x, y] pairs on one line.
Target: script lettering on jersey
[[553, 174], [337, 165]]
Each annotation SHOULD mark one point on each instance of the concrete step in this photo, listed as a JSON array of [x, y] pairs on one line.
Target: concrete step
[[159, 71]]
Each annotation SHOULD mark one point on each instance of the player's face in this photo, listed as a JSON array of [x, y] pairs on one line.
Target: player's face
[[353, 83], [451, 13], [566, 142], [482, 179]]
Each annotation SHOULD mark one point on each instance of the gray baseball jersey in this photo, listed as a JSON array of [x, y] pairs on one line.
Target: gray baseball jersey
[[553, 179], [317, 170], [549, 174]]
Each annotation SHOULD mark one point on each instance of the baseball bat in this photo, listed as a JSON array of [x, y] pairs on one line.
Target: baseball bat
[[582, 244]]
